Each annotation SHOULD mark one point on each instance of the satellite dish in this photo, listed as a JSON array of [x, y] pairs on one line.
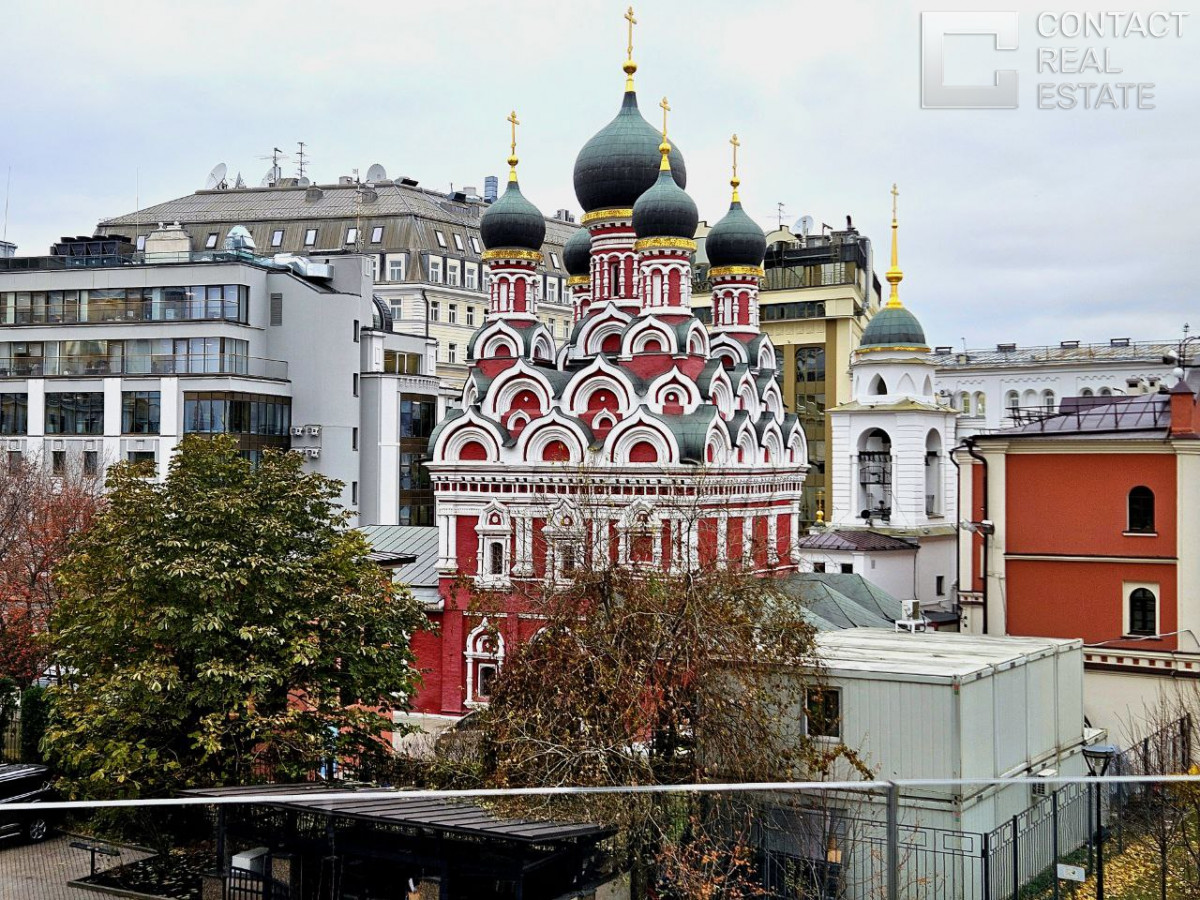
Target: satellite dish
[[271, 178], [376, 173], [302, 182], [239, 183], [804, 225], [216, 178]]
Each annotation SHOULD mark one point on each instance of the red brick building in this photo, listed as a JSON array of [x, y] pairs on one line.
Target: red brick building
[[1083, 523]]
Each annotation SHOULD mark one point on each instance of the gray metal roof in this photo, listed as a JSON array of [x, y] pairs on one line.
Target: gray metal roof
[[417, 541], [1072, 353], [449, 816], [408, 215], [853, 540], [842, 600], [1143, 415]]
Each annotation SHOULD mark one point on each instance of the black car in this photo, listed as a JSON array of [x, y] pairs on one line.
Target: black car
[[23, 783]]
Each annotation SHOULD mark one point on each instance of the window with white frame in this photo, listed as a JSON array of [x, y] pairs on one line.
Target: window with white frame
[[452, 271], [351, 236], [452, 313], [377, 234], [211, 241], [1141, 608], [396, 266], [435, 311], [441, 239], [277, 237], [554, 259], [484, 656], [475, 245], [375, 268], [452, 353], [551, 290], [470, 317], [458, 244], [435, 269], [310, 237], [471, 276]]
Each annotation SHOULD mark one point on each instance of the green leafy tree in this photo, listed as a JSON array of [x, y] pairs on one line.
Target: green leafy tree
[[223, 627]]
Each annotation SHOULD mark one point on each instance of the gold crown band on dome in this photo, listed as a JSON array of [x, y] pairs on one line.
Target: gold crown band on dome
[[874, 349], [664, 243], [531, 255], [599, 215], [579, 279], [726, 271]]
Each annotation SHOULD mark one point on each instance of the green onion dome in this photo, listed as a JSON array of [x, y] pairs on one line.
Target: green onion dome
[[577, 253], [512, 222], [735, 240]]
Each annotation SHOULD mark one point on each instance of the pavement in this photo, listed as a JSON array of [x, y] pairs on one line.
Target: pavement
[[41, 871]]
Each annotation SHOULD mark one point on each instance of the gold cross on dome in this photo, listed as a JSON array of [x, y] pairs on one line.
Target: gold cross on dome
[[632, 21], [514, 122], [895, 194], [666, 108], [736, 143]]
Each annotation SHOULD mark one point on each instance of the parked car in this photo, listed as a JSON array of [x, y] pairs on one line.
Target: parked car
[[24, 783]]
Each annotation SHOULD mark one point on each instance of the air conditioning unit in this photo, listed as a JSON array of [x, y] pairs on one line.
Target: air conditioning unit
[[1041, 789], [913, 622], [314, 452], [314, 430], [297, 430]]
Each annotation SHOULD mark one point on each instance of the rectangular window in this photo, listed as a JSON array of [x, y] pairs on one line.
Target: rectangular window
[[554, 259], [818, 567], [435, 269], [395, 268], [355, 384], [452, 353], [354, 492], [416, 416], [91, 463], [435, 309], [452, 268], [140, 456], [310, 237], [353, 438], [458, 244], [277, 237], [58, 462], [351, 236], [140, 412], [452, 313], [211, 241], [471, 276], [847, 568], [823, 712], [470, 317], [475, 245], [551, 290], [941, 585], [377, 234], [14, 413], [75, 413], [356, 331], [15, 458], [441, 239], [277, 309]]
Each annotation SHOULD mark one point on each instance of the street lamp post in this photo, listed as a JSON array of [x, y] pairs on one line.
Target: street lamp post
[[1098, 758]]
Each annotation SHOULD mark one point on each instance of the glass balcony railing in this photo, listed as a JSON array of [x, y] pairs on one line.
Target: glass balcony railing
[[154, 364]]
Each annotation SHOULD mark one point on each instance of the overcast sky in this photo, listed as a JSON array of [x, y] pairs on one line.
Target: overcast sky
[[1031, 225]]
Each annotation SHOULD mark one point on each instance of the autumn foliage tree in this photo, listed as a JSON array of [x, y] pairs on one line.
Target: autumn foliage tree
[[642, 677], [40, 515], [223, 627]]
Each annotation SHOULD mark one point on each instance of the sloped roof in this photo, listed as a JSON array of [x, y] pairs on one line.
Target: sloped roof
[[836, 601], [853, 540], [417, 541]]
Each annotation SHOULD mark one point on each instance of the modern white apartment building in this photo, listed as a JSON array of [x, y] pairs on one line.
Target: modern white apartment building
[[108, 353]]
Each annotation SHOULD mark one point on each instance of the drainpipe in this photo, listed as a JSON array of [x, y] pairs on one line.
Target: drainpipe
[[975, 454], [958, 528]]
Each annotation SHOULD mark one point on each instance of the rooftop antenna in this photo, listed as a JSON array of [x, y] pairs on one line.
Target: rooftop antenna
[[216, 178], [274, 173], [779, 215], [301, 162], [7, 191]]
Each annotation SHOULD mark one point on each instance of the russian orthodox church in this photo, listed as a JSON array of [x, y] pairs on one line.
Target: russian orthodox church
[[894, 496], [646, 439]]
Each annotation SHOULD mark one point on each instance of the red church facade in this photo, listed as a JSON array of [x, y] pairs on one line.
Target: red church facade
[[646, 439]]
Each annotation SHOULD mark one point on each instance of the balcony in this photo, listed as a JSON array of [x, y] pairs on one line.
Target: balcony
[[153, 364]]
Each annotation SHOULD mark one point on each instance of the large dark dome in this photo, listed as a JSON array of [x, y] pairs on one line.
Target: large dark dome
[[620, 162], [735, 240], [665, 210], [512, 222], [577, 253], [894, 326]]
